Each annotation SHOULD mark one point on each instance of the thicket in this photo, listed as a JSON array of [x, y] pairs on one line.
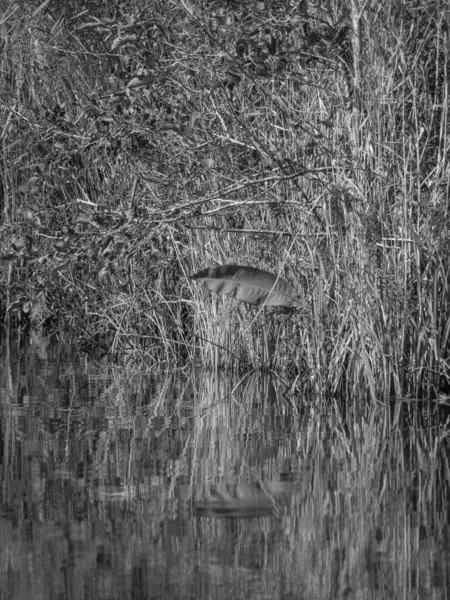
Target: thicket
[[142, 141]]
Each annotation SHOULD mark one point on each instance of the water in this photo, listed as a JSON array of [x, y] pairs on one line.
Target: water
[[121, 483]]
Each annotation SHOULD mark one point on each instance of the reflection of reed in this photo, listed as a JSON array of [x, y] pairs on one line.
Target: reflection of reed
[[111, 469], [319, 492], [241, 432]]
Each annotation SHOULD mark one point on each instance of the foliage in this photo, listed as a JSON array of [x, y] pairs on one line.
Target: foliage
[[141, 142]]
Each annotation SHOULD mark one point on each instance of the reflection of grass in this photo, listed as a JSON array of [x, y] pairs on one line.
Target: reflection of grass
[[340, 498], [288, 142], [152, 476]]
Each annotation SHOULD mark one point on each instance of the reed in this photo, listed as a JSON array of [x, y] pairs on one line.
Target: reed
[[316, 149]]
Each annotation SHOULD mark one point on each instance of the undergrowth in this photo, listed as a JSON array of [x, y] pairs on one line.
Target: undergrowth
[[143, 142]]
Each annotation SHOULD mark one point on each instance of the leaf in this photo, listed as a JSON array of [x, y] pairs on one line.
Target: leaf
[[248, 284]]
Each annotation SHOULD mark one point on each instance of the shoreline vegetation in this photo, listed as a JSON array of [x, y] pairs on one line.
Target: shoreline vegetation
[[143, 142]]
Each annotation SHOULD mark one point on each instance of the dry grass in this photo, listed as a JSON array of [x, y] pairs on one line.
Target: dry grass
[[312, 145]]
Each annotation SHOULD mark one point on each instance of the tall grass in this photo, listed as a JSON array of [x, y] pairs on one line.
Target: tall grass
[[313, 145]]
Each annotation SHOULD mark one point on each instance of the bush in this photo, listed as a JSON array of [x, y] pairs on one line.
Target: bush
[[142, 143]]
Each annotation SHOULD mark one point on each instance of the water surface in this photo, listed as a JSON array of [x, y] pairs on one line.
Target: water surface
[[118, 482]]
